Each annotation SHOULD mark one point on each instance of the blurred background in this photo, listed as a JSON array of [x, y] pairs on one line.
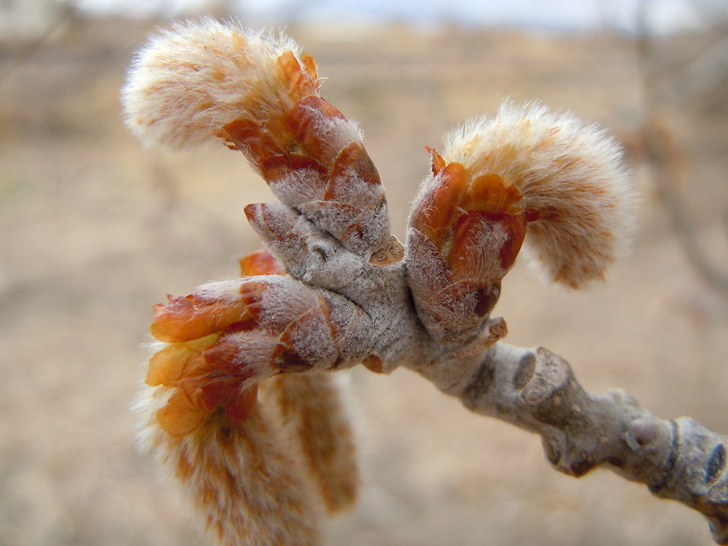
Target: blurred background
[[93, 230]]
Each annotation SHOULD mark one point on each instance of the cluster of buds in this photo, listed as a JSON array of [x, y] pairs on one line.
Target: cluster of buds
[[227, 337], [334, 289]]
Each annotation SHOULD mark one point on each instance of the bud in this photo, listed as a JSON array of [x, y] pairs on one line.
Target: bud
[[525, 171], [569, 174], [209, 81], [465, 233]]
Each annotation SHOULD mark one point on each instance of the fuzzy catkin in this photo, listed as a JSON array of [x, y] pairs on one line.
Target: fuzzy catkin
[[312, 410], [245, 477], [190, 81], [568, 172]]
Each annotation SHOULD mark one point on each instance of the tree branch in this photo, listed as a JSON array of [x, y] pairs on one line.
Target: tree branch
[[662, 154], [536, 390], [334, 290]]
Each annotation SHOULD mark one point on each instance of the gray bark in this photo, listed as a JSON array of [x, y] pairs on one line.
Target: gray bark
[[536, 390]]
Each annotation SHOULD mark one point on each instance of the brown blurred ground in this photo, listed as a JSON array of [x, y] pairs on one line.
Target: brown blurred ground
[[94, 230]]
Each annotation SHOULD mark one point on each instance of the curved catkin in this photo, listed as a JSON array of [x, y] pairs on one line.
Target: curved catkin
[[567, 172], [245, 477], [190, 81], [312, 409]]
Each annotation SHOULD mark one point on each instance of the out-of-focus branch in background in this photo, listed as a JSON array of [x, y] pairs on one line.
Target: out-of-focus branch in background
[[698, 83]]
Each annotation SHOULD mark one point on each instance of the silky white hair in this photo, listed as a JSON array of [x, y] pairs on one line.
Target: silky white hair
[[191, 80]]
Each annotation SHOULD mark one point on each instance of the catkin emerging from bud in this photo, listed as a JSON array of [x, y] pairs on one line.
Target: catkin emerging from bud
[[190, 81], [568, 173]]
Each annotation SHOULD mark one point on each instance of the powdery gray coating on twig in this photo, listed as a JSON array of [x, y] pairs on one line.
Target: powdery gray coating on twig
[[536, 390]]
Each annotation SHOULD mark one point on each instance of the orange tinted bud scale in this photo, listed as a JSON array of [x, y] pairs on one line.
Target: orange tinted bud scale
[[301, 81], [260, 263], [192, 317], [310, 66], [170, 365], [438, 162], [182, 414], [488, 193], [436, 213], [202, 382]]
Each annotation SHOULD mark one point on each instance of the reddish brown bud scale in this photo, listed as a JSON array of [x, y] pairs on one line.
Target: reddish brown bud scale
[[252, 294], [461, 257], [427, 269], [516, 227], [373, 363], [350, 329], [253, 140], [238, 402], [310, 123], [276, 224], [437, 211], [392, 253], [225, 357], [296, 339], [464, 258], [217, 390], [276, 167], [353, 161], [295, 178], [486, 298]]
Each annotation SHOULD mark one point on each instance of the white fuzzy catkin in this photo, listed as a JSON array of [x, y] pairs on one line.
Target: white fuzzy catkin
[[190, 81], [569, 172]]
